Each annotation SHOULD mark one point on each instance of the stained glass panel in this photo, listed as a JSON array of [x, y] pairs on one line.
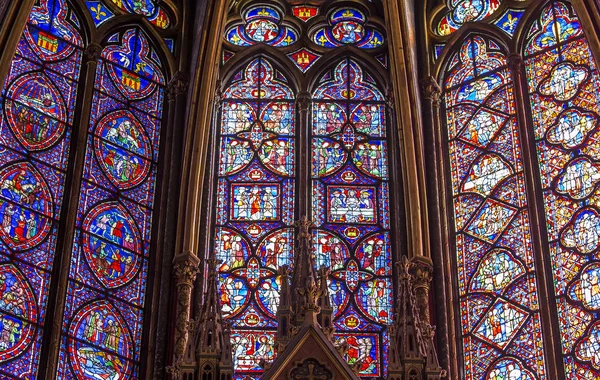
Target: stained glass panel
[[150, 9], [348, 27], [102, 327], [499, 308], [38, 103], [351, 210], [463, 11], [262, 24], [255, 207], [564, 84]]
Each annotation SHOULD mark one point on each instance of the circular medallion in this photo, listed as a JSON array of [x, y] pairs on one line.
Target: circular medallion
[[348, 32], [262, 30], [17, 304], [123, 149], [111, 244], [99, 343], [35, 111], [26, 206]]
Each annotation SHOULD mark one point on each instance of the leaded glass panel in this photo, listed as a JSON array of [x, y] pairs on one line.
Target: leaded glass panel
[[38, 109], [255, 207], [351, 198], [497, 289]]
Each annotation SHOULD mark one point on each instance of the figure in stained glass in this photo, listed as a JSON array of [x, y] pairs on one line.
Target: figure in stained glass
[[100, 328], [352, 205], [491, 228], [255, 202], [35, 111], [256, 198], [349, 168]]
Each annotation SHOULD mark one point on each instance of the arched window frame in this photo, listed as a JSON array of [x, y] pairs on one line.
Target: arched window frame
[[439, 51], [94, 38], [305, 83]]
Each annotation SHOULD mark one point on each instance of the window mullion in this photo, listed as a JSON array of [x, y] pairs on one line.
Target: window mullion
[[303, 105], [538, 229]]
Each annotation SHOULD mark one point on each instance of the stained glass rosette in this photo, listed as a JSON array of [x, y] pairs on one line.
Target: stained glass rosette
[[499, 309], [351, 210], [38, 102], [564, 85], [463, 11], [262, 24], [255, 207], [103, 317], [348, 27]]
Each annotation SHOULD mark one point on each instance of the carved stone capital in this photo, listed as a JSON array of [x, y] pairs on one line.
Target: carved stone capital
[[178, 85], [185, 268], [515, 63], [421, 269], [303, 100], [92, 53], [431, 90]]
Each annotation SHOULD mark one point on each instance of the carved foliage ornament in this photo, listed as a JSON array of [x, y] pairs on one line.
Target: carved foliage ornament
[[310, 369]]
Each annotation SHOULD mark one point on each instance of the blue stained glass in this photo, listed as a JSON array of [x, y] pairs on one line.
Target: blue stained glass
[[100, 13], [38, 102], [350, 210], [255, 207], [107, 278], [495, 267], [262, 24], [510, 21], [150, 9], [348, 27]]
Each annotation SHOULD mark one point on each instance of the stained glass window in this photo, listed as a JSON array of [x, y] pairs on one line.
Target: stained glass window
[[255, 207], [347, 27], [350, 195], [38, 101], [102, 326], [463, 11], [496, 270], [262, 24], [497, 274], [564, 87]]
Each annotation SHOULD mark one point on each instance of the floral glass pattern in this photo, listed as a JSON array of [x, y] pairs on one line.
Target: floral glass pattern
[[564, 84], [499, 308], [351, 210], [38, 102], [347, 27], [255, 207], [262, 24], [102, 327]]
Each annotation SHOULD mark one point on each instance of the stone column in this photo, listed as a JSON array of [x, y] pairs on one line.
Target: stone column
[[185, 269]]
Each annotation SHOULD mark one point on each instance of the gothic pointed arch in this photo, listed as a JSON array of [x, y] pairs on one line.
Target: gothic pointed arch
[[82, 110], [280, 64], [517, 136]]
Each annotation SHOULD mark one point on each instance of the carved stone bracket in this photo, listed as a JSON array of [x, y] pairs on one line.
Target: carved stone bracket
[[421, 269], [92, 53], [431, 90], [178, 85]]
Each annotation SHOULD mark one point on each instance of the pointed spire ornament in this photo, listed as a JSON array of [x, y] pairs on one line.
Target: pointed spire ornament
[[209, 350], [412, 352]]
